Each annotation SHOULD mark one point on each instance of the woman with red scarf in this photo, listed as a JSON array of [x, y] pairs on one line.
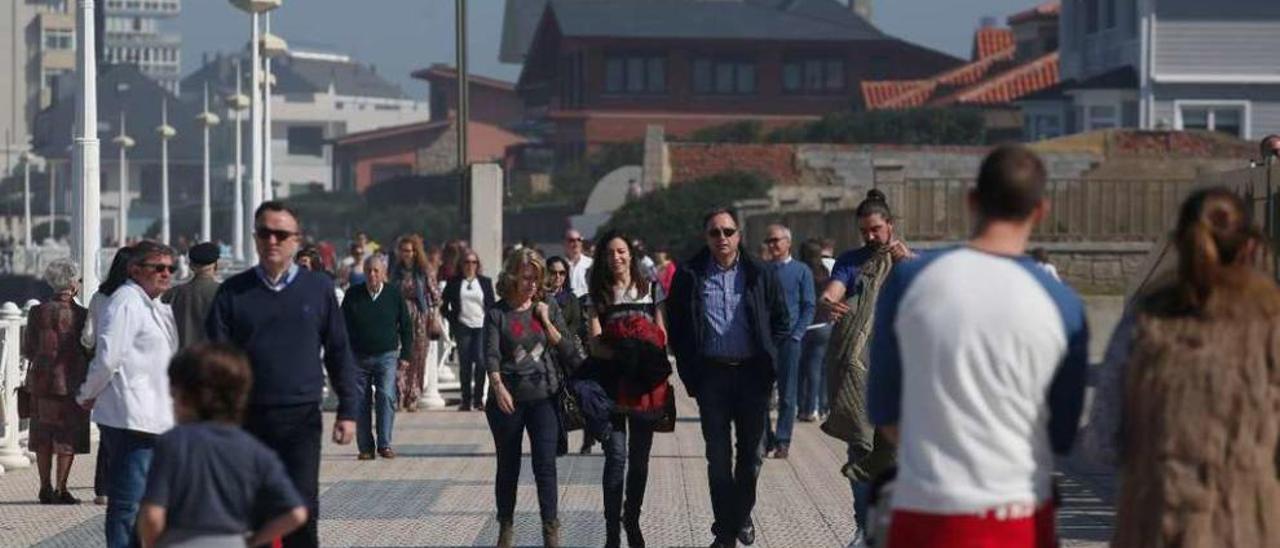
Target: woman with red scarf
[[628, 343]]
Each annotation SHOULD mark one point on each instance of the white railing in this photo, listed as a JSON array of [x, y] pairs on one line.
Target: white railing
[[12, 372]]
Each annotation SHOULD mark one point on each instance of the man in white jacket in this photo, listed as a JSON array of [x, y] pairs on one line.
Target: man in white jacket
[[127, 386]]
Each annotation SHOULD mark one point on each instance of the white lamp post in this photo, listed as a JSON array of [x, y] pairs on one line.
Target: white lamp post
[[124, 143], [166, 132], [85, 214], [26, 196], [238, 103], [272, 46], [255, 8], [207, 120]]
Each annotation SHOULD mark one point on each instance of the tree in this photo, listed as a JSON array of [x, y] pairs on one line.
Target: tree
[[671, 217]]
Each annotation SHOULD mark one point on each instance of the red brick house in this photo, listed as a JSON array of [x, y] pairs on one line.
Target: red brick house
[[492, 101], [364, 159], [600, 71]]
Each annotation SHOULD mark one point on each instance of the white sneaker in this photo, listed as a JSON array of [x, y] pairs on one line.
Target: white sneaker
[[858, 541]]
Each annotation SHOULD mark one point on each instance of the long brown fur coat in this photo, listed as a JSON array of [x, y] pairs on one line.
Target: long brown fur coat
[[1199, 454]]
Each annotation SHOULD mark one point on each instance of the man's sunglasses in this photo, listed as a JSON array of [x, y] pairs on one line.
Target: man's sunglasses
[[264, 233], [573, 240], [722, 232], [159, 267], [771, 241]]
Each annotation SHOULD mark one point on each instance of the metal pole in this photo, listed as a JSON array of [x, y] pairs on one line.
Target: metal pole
[[122, 227], [463, 114], [206, 211], [268, 188], [255, 123], [26, 197], [237, 214], [164, 172], [85, 176], [51, 167]]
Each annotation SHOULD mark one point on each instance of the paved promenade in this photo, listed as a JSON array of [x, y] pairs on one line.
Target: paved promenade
[[439, 493]]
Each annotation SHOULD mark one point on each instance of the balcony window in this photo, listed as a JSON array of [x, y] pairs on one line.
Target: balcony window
[[813, 75], [635, 74], [306, 141], [1226, 118], [724, 76]]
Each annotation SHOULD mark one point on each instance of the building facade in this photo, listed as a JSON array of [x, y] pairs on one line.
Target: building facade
[[318, 97], [1170, 64], [134, 34], [40, 39]]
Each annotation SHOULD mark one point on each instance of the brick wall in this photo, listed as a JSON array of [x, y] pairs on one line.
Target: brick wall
[[694, 161]]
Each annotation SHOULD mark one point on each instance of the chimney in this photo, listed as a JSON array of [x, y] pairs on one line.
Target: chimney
[[862, 8]]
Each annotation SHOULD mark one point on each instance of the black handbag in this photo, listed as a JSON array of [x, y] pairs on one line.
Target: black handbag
[[667, 423], [570, 410], [24, 402]]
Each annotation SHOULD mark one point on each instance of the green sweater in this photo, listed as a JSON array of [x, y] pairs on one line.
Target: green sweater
[[373, 325]]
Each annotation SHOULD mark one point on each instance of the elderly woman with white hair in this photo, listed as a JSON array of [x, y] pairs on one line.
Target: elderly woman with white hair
[[58, 365]]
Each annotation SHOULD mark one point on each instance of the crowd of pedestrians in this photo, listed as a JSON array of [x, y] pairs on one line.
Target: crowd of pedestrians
[[953, 376]]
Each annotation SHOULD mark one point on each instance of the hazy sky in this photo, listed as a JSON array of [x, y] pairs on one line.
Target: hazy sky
[[402, 35]]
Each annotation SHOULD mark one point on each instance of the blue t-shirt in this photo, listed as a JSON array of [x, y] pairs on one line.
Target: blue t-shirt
[[214, 478], [849, 264]]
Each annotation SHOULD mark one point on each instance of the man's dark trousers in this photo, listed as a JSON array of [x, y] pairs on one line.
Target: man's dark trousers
[[734, 396], [293, 432]]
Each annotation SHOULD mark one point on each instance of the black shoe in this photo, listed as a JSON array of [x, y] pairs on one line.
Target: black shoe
[[47, 495], [747, 535], [65, 498], [782, 452], [464, 407]]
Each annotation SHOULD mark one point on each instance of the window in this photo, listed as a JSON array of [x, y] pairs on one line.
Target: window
[[1043, 126], [1103, 117], [1227, 119], [635, 74], [724, 76], [813, 75], [306, 141], [59, 39]]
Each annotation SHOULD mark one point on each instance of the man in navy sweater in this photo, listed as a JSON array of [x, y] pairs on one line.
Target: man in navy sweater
[[282, 316]]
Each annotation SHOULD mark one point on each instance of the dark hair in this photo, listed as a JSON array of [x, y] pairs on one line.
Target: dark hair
[[600, 286], [719, 211], [811, 256], [876, 203], [1011, 183], [275, 206], [312, 253], [562, 261], [119, 272], [1214, 227], [146, 249], [213, 379]]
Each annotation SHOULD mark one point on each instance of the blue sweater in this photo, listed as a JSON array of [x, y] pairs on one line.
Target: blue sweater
[[796, 281], [283, 333]]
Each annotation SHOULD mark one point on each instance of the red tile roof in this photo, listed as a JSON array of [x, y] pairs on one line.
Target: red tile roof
[[1047, 9], [991, 41], [893, 94], [1008, 86]]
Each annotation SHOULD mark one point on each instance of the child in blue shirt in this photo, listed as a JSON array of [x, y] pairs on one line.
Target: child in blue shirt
[[210, 482]]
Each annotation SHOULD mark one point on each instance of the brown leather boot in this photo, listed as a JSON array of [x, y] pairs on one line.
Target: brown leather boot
[[506, 535], [551, 533]]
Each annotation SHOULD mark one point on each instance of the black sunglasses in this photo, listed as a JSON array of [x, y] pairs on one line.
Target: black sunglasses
[[771, 241], [264, 233], [571, 240], [722, 232], [158, 267]]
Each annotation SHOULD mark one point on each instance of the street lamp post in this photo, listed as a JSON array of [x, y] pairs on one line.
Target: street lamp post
[[207, 120], [124, 143], [26, 197], [272, 46], [85, 213], [166, 132], [255, 8], [238, 103]]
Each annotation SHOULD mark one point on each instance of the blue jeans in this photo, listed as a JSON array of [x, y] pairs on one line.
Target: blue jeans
[[631, 461], [130, 461], [376, 377], [733, 398], [813, 370], [861, 498], [788, 374], [470, 362], [539, 418]]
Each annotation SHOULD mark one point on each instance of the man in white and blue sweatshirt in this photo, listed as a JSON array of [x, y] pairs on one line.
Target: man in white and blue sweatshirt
[[978, 368], [283, 316], [796, 281]]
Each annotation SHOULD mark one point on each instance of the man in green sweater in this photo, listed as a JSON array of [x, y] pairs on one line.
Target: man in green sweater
[[380, 330]]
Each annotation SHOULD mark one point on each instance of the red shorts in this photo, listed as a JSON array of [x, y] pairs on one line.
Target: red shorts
[[991, 529]]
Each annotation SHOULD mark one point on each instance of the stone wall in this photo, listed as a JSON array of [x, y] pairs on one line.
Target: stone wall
[[1099, 268]]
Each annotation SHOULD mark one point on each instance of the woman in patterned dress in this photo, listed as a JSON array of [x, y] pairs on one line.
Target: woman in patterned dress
[[58, 366], [413, 277]]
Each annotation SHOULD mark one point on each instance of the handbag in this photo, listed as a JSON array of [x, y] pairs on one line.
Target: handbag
[[570, 410], [667, 422], [435, 328], [24, 402]]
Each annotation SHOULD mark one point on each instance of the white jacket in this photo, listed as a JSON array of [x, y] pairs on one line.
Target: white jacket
[[129, 375]]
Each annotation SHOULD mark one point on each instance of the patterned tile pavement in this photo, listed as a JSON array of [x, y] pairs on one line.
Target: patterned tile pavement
[[439, 493]]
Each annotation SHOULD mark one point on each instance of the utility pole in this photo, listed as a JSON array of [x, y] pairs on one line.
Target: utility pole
[[85, 214], [464, 109]]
